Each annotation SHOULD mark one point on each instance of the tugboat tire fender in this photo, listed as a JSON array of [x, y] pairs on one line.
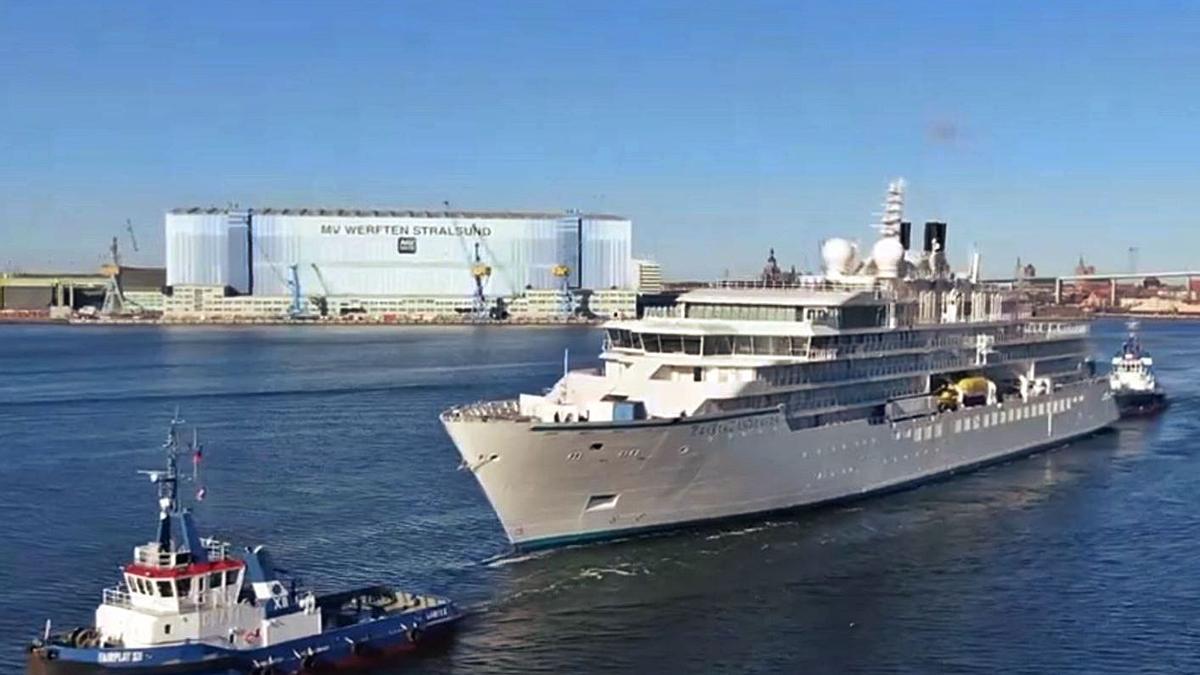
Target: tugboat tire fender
[[308, 662], [414, 634]]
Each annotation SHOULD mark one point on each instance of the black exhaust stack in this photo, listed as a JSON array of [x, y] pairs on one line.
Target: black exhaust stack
[[935, 232], [906, 235]]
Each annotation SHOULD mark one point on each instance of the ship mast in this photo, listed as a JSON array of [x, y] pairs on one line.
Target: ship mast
[[168, 484], [167, 481], [893, 209]]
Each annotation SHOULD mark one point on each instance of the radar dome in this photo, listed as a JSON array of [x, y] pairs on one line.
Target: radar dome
[[838, 255], [887, 255]]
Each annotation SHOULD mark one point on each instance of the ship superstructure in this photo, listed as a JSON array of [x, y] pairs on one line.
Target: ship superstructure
[[760, 396]]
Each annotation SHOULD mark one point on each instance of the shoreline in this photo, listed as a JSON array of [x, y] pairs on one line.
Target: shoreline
[[544, 323], [1147, 316], [287, 323]]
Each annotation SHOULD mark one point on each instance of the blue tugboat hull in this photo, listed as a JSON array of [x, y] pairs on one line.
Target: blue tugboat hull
[[349, 646]]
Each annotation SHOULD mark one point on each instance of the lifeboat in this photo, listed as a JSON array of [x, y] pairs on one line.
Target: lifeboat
[[973, 391]]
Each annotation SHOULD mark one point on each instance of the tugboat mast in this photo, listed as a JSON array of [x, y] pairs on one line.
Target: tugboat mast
[[168, 494]]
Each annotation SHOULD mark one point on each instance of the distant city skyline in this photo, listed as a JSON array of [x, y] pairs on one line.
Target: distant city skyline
[[1037, 131]]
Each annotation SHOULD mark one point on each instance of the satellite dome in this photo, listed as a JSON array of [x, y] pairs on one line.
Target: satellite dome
[[838, 255], [887, 254]]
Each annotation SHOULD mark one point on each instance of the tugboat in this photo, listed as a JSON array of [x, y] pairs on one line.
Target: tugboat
[[189, 604], [1132, 381]]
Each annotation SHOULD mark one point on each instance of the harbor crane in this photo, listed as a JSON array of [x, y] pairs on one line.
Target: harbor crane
[[132, 239], [567, 301], [115, 302], [480, 272], [297, 310], [323, 299]]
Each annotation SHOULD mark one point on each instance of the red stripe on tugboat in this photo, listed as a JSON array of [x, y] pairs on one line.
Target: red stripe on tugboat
[[189, 570]]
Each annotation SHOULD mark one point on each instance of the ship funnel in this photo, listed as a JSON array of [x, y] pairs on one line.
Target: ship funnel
[[906, 235], [935, 233]]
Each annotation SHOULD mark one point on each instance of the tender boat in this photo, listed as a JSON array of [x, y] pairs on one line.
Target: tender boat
[[189, 604], [1132, 380]]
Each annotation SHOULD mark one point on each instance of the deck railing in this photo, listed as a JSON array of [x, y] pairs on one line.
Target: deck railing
[[117, 596], [1055, 328], [508, 409]]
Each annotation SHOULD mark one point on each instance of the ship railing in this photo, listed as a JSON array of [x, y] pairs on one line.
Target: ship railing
[[1055, 328], [803, 284], [151, 555], [508, 409], [886, 347], [663, 312], [216, 550], [117, 596]]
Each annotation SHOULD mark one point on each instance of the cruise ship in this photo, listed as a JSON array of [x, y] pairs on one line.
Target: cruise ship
[[886, 370]]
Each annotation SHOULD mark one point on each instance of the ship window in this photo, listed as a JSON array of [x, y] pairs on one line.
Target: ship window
[[691, 344], [717, 344], [781, 345], [166, 589], [762, 344], [166, 629], [231, 577], [650, 340], [798, 346], [214, 580], [618, 337], [741, 345], [185, 586], [697, 374], [671, 344], [601, 502]]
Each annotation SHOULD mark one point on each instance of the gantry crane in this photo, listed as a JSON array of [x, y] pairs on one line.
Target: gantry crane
[[480, 272], [566, 299]]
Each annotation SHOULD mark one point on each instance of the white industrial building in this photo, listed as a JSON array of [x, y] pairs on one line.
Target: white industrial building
[[647, 276], [394, 260]]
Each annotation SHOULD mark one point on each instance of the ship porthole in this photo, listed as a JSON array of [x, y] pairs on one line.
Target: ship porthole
[[683, 450]]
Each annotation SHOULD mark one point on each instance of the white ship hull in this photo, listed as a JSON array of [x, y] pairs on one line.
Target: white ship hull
[[553, 484]]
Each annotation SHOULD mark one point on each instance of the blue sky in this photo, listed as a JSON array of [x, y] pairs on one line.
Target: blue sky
[[1046, 130]]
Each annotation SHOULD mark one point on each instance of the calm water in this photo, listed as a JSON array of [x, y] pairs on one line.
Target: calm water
[[324, 443]]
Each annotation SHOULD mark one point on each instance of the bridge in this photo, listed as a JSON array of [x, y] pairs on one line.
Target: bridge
[[1112, 280]]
